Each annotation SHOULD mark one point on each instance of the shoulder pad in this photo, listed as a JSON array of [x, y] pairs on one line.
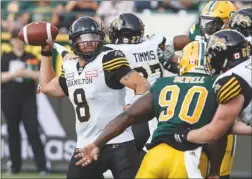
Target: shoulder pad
[[113, 60], [69, 62], [157, 38], [106, 48], [70, 57]]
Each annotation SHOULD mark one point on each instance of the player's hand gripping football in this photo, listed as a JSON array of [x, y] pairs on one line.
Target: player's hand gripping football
[[87, 155], [48, 46]]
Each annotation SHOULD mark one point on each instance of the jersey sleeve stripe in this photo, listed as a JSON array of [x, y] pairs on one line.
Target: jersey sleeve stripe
[[231, 94], [202, 52], [62, 74], [224, 86], [227, 89], [115, 63], [62, 71], [114, 60], [116, 66]]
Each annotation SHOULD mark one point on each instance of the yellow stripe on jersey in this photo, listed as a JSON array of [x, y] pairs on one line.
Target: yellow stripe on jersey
[[228, 92], [114, 60], [115, 63], [62, 72], [229, 88], [117, 66], [231, 96], [225, 86], [232, 90]]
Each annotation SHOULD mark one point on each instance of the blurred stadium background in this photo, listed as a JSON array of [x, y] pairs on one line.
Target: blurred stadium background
[[168, 18]]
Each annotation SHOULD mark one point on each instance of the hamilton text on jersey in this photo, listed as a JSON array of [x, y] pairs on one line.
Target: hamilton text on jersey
[[79, 81]]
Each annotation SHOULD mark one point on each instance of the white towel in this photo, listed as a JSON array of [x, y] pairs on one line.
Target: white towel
[[152, 126], [192, 160]]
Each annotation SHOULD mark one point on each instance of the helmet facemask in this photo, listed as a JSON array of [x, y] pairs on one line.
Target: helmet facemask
[[86, 38], [87, 45], [210, 25]]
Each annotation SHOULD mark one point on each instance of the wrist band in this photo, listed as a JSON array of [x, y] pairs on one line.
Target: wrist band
[[46, 53]]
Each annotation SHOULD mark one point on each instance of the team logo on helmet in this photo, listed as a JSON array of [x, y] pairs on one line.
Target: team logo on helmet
[[117, 23], [218, 43], [242, 20]]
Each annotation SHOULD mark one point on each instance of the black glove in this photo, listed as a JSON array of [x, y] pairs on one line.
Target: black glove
[[181, 133], [165, 55], [165, 58]]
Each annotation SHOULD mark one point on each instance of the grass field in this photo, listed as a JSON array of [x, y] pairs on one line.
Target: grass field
[[33, 175]]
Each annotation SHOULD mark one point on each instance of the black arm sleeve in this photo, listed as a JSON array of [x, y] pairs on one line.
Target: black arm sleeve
[[62, 81], [63, 85], [115, 66]]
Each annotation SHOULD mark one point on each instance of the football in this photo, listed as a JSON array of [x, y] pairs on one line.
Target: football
[[37, 33]]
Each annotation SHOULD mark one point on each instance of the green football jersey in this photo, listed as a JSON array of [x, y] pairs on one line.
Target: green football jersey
[[194, 33], [177, 100]]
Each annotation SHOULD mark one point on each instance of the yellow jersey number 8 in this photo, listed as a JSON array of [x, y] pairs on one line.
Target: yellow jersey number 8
[[183, 113]]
